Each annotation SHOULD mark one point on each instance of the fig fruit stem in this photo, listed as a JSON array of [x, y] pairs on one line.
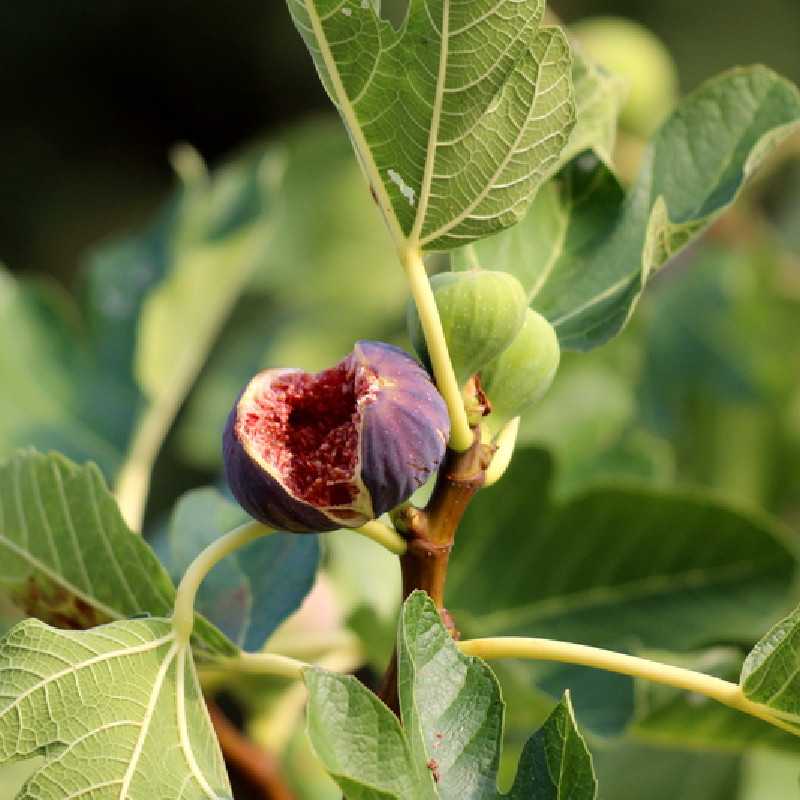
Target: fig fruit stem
[[385, 536], [504, 444], [183, 615], [725, 692], [460, 433], [512, 647]]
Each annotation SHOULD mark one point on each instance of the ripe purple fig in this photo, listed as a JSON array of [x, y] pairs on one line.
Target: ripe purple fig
[[316, 452]]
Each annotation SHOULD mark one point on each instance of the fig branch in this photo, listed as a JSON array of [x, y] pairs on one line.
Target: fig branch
[[431, 532]]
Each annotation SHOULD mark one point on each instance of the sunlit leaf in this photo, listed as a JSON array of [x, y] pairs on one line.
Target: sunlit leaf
[[474, 84], [116, 712], [586, 248]]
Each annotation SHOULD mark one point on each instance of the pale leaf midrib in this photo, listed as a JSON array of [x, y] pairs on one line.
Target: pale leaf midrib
[[183, 727], [351, 120], [147, 719], [145, 647], [436, 118], [445, 230]]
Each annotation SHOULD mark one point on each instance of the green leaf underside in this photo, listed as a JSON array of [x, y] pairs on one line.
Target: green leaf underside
[[117, 712], [637, 567], [585, 263], [771, 673], [450, 740], [67, 556], [457, 117]]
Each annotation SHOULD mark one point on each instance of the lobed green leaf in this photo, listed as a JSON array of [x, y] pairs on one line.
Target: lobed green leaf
[[586, 248], [456, 117]]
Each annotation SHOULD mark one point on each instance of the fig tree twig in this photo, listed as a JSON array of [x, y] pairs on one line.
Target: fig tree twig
[[431, 533], [258, 767]]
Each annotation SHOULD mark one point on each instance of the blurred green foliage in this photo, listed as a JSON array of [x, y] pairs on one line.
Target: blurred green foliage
[[95, 95]]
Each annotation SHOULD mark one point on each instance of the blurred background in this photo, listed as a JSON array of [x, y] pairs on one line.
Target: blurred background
[[702, 390], [94, 94]]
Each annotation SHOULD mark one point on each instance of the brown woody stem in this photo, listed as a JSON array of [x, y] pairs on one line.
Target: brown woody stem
[[257, 768], [431, 534]]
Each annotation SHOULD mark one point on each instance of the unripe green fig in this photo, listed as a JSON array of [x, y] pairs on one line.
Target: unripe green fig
[[628, 49], [523, 372], [481, 311]]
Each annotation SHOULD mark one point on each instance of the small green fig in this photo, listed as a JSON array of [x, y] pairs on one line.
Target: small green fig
[[523, 372], [481, 311], [628, 49]]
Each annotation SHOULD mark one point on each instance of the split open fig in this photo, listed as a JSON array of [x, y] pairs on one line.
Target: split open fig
[[315, 452]]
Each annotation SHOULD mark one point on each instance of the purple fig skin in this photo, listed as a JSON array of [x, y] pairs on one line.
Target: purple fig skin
[[404, 431], [402, 426]]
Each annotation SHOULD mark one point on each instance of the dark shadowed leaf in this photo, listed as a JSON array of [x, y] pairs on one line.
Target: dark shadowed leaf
[[666, 569], [636, 568], [251, 592]]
